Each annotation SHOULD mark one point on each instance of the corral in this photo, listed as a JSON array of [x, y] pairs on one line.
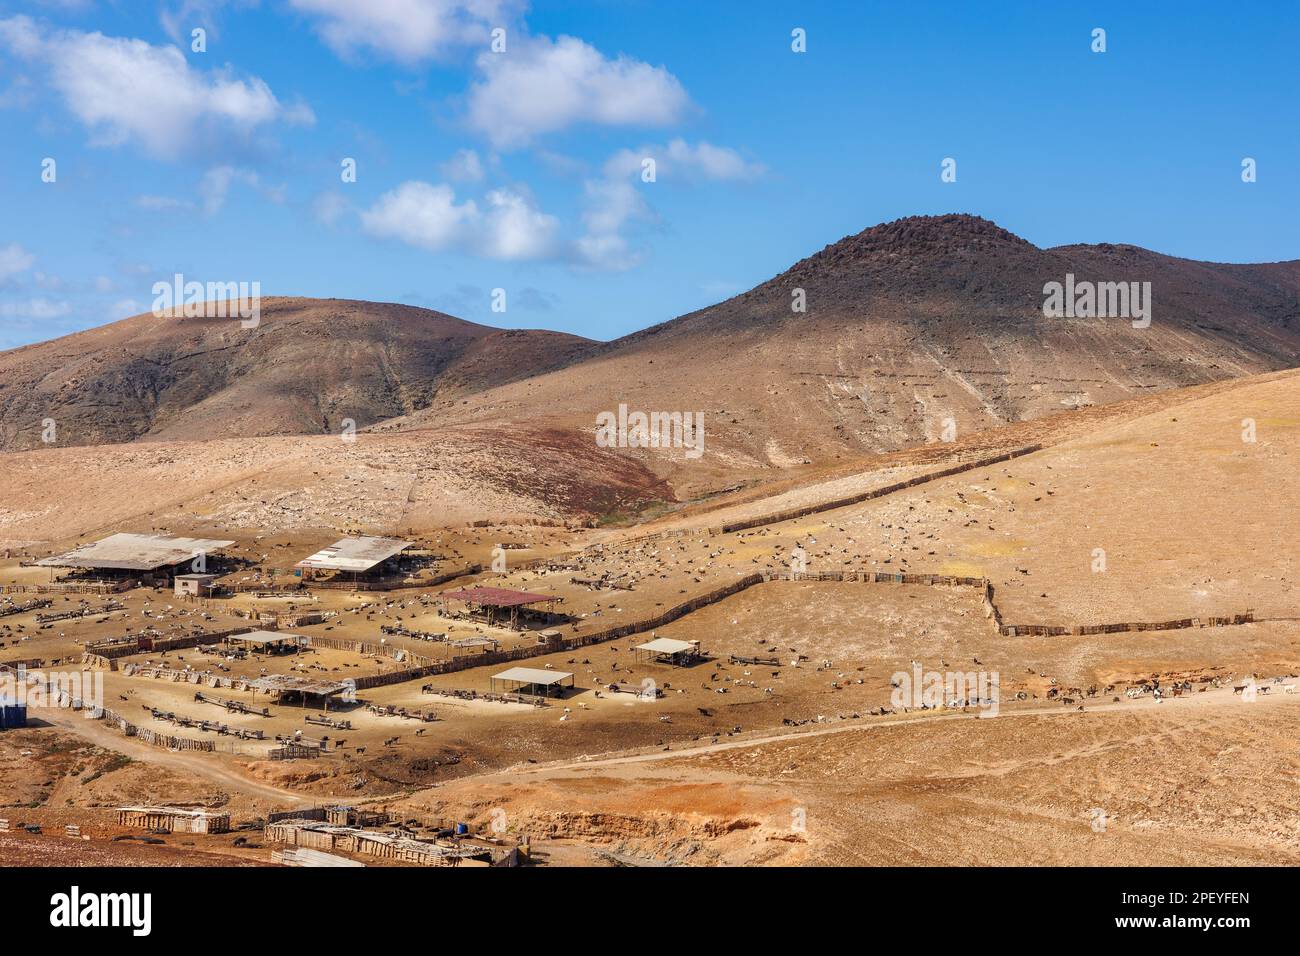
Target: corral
[[392, 846], [174, 819]]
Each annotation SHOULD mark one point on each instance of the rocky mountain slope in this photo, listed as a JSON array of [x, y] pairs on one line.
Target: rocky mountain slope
[[310, 365]]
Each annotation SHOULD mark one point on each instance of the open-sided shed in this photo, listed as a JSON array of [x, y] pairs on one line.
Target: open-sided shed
[[144, 553], [358, 556], [503, 605], [266, 642], [306, 689], [531, 680], [666, 650]]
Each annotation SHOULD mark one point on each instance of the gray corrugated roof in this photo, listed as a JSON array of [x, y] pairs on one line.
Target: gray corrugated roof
[[135, 552], [355, 554]]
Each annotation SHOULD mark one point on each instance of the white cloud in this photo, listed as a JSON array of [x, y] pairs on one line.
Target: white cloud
[[616, 199], [14, 259], [464, 167], [514, 228], [420, 214], [215, 185], [127, 90], [35, 308], [408, 31], [508, 226], [182, 16], [542, 85], [679, 159], [611, 204]]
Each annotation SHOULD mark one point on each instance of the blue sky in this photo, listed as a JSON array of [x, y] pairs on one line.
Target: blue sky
[[522, 170]]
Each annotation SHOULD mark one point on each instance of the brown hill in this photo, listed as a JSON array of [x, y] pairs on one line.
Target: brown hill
[[908, 324], [309, 365]]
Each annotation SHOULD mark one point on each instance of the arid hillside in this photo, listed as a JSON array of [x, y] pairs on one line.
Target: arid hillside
[[907, 325], [310, 365], [910, 330]]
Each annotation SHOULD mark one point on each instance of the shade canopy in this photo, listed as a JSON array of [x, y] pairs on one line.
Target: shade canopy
[[359, 553], [135, 552]]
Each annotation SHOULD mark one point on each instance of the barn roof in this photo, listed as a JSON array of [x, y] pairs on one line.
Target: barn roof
[[532, 675], [666, 645], [359, 553], [135, 552], [498, 597]]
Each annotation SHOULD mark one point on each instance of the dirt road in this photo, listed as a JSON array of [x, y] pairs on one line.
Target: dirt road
[[193, 764]]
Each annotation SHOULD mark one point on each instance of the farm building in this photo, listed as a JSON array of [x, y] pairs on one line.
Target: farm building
[[515, 609], [174, 819], [303, 690], [327, 837], [531, 680], [194, 585], [358, 559], [266, 642], [665, 650], [139, 555]]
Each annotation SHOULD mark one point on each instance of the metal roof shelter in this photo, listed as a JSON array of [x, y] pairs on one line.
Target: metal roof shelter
[[486, 602], [135, 552], [542, 681], [668, 650], [358, 554], [266, 640], [498, 597], [284, 684]]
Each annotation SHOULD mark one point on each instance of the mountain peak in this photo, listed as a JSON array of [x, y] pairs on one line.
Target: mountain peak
[[925, 236]]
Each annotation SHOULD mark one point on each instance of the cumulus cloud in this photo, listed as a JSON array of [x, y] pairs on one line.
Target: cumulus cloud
[[514, 228], [407, 31], [14, 260], [127, 90], [464, 167], [616, 199], [543, 85], [420, 214], [508, 225], [679, 159]]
